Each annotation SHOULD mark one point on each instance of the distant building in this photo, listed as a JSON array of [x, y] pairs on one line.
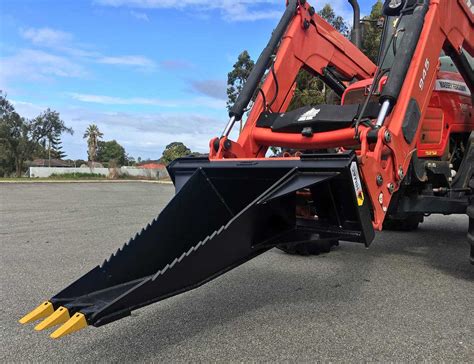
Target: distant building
[[151, 166]]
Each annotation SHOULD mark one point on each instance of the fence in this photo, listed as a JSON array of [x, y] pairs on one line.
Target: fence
[[44, 172]]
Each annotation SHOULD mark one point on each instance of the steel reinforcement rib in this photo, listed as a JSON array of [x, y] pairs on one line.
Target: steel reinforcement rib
[[224, 213]]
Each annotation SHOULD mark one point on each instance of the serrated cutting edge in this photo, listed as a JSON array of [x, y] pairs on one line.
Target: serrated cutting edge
[[129, 243], [188, 252]]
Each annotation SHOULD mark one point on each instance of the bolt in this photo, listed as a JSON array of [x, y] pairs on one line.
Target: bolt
[[391, 187], [381, 198], [387, 136], [306, 24], [379, 180], [401, 174], [227, 144]]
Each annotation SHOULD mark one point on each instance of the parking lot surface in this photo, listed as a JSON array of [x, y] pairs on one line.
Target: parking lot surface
[[409, 297]]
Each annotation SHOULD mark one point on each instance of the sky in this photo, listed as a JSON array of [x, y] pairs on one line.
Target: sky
[[147, 72]]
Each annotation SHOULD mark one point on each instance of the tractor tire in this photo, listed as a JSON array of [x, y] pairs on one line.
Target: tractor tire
[[309, 248], [408, 223], [470, 232]]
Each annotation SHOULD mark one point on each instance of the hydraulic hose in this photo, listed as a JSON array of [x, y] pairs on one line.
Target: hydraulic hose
[[262, 64]]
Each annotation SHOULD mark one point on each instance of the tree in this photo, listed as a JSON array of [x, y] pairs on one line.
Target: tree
[[336, 21], [130, 160], [372, 33], [49, 127], [79, 162], [10, 131], [174, 150], [238, 76], [5, 106], [111, 151], [56, 149], [309, 90], [21, 138], [93, 134], [14, 132]]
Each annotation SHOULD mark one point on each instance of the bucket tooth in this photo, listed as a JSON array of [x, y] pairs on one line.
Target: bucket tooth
[[61, 315], [42, 311], [75, 323]]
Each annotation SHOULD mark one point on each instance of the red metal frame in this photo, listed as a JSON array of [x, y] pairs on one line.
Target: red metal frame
[[318, 46]]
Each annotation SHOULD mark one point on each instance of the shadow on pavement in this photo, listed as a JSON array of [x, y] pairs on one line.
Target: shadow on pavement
[[444, 248]]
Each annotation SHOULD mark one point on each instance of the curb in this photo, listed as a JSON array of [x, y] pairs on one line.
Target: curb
[[85, 181]]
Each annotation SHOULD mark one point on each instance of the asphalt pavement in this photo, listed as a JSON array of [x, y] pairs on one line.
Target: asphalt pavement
[[409, 297]]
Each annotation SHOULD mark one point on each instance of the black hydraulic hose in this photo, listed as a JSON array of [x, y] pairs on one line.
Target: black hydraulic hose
[[276, 87], [263, 62], [379, 73], [330, 79], [375, 83], [263, 97], [406, 49]]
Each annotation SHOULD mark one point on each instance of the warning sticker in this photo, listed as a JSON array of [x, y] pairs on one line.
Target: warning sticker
[[357, 184], [309, 115]]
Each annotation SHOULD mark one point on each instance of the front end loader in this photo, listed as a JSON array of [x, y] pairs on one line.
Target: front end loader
[[344, 171]]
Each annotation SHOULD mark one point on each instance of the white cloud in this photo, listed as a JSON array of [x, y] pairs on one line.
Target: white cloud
[[139, 61], [139, 15], [231, 10], [31, 64], [64, 43], [207, 102], [57, 40], [112, 100], [28, 109], [46, 36]]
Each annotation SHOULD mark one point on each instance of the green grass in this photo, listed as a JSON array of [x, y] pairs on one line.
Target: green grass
[[76, 176]]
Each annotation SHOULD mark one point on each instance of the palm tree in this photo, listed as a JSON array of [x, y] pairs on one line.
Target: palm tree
[[93, 134]]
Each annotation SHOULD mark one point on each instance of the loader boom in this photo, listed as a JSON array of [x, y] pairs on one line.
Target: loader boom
[[385, 150]]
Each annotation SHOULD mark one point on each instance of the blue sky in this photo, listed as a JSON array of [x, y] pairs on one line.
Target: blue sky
[[147, 72]]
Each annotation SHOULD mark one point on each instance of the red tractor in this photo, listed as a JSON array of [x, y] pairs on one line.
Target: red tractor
[[398, 147]]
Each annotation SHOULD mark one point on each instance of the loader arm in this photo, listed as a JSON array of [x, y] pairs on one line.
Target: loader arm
[[302, 40], [384, 148]]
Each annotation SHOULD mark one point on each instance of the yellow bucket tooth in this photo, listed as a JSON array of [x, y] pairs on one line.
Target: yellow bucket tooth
[[59, 316], [42, 311], [75, 323]]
